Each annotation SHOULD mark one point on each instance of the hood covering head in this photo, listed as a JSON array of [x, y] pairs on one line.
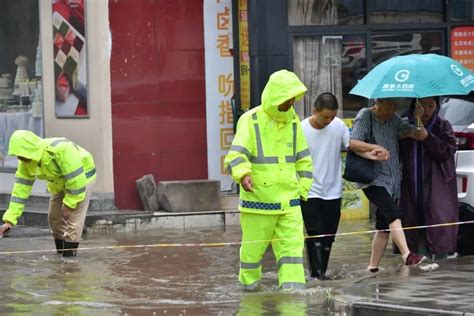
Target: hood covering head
[[282, 86], [25, 144]]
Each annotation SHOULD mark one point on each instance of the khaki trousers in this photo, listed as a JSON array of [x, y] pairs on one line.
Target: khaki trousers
[[68, 230]]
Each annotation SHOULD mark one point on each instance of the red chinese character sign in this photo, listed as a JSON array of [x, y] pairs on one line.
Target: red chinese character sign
[[70, 58], [462, 45]]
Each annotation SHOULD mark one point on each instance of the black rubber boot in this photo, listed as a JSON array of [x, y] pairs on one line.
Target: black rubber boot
[[59, 245], [326, 254], [315, 257], [70, 249]]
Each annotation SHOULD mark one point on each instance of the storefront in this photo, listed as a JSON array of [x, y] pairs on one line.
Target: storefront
[[55, 79], [331, 44], [134, 89], [21, 84], [126, 80]]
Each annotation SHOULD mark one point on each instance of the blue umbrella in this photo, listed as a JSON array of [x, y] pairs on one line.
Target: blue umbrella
[[416, 76]]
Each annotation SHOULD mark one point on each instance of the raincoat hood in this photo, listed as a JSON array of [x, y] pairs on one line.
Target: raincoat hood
[[282, 86], [26, 144]]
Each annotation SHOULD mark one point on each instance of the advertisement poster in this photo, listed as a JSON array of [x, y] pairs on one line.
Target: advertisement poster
[[354, 204], [462, 45], [219, 87], [70, 59]]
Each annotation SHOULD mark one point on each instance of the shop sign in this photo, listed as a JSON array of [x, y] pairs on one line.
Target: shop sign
[[462, 45], [219, 87], [244, 57]]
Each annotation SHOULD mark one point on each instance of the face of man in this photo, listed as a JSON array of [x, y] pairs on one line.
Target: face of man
[[429, 107], [385, 108], [323, 117], [285, 106]]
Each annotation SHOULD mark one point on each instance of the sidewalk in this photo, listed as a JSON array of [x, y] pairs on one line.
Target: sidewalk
[[447, 290]]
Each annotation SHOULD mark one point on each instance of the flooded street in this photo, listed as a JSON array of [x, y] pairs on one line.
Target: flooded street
[[170, 280]]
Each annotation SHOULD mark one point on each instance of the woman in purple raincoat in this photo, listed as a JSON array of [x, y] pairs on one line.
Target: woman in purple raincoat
[[428, 189]]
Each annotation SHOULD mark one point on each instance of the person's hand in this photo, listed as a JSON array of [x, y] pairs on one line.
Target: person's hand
[[66, 212], [247, 183], [421, 133], [5, 228], [379, 153], [407, 134], [418, 110]]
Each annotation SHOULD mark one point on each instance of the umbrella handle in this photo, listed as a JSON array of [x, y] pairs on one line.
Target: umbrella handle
[[419, 125]]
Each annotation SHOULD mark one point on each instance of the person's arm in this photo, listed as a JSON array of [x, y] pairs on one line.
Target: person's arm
[[361, 125], [20, 194], [369, 151], [439, 147], [304, 163], [405, 129], [237, 161]]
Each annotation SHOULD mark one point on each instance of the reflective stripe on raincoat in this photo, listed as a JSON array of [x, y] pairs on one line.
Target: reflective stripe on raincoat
[[66, 166], [270, 146]]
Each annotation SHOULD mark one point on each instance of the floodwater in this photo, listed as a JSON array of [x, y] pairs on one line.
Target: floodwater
[[172, 280]]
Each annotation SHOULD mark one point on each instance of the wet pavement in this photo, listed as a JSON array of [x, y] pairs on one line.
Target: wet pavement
[[173, 279], [447, 289]]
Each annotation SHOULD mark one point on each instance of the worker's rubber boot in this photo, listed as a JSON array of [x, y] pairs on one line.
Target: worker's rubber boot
[[59, 245], [70, 249]]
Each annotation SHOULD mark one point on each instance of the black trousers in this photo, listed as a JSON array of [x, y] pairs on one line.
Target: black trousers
[[387, 209], [321, 217]]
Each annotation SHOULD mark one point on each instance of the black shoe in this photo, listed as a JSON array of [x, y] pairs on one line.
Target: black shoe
[[59, 245], [70, 249]]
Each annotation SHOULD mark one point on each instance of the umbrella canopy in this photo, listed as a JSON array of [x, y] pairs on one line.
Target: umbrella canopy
[[416, 76]]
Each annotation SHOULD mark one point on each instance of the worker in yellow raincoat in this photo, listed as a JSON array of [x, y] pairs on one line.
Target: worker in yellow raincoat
[[270, 159], [70, 172]]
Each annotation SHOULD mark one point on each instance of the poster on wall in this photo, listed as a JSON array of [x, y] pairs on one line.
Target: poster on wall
[[462, 45], [70, 59], [219, 87]]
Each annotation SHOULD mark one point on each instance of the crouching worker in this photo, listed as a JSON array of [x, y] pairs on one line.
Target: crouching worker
[[269, 158], [70, 172]]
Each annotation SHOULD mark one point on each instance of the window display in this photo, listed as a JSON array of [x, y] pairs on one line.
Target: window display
[[21, 88], [325, 12], [330, 63]]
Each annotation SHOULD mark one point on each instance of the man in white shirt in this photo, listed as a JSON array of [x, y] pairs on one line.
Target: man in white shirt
[[327, 135]]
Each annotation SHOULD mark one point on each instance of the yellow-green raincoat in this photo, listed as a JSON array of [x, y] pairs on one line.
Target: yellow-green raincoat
[[66, 166], [270, 146]]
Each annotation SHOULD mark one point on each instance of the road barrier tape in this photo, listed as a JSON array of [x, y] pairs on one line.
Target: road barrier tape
[[236, 243]]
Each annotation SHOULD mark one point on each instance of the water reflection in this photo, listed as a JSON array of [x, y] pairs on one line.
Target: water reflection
[[172, 280]]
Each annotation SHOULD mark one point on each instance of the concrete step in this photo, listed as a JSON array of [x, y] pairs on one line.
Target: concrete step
[[103, 215], [99, 201], [229, 201], [133, 220]]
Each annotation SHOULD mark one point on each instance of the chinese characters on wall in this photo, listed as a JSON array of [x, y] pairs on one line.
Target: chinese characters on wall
[[244, 58], [462, 45], [219, 86]]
